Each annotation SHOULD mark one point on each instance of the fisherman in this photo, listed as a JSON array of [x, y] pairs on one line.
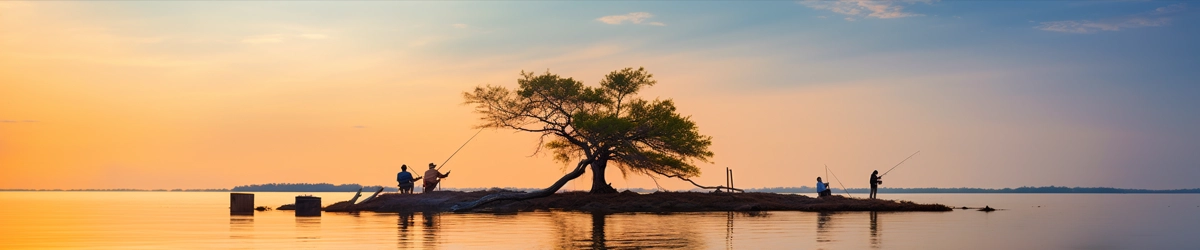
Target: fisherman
[[875, 181], [434, 177], [406, 180], [823, 188]]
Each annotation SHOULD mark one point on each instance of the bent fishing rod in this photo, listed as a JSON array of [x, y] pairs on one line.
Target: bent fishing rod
[[439, 168], [898, 164]]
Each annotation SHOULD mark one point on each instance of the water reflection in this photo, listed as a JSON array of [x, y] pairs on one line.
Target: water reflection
[[241, 227], [824, 226], [308, 228], [876, 239], [431, 222], [729, 230], [406, 220], [624, 231], [598, 237]]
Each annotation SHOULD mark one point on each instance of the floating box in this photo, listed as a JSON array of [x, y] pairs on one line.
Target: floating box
[[241, 204], [308, 206]]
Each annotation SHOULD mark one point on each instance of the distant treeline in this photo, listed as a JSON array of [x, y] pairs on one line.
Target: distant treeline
[[124, 190], [326, 187], [1020, 190], [308, 187]]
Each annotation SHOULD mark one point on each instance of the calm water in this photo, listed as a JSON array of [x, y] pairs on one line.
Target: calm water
[[157, 220]]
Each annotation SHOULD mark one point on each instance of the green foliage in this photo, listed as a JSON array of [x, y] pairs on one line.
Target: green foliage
[[608, 123]]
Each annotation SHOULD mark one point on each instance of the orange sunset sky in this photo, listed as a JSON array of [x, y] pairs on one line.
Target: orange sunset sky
[[217, 94]]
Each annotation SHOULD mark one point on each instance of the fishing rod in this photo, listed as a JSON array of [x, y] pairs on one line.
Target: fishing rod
[[459, 148], [898, 164], [839, 181]]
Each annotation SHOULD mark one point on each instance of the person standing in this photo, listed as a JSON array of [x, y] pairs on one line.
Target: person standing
[[405, 180], [875, 181], [433, 177]]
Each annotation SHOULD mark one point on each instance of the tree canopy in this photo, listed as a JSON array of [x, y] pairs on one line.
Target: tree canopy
[[596, 125]]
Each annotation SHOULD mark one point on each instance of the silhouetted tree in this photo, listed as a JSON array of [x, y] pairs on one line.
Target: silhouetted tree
[[597, 125]]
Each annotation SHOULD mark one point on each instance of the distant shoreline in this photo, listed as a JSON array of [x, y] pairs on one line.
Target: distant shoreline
[[324, 187]]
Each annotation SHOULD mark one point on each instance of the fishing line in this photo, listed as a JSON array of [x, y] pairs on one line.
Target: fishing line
[[893, 167], [838, 180], [459, 148]]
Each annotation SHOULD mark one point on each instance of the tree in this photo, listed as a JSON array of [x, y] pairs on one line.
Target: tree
[[597, 125]]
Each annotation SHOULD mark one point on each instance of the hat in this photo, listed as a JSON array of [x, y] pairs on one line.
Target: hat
[[431, 165]]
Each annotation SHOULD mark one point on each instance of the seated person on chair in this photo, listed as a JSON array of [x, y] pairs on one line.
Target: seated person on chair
[[823, 188]]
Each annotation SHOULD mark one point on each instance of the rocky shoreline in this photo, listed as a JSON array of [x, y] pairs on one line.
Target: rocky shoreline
[[658, 202]]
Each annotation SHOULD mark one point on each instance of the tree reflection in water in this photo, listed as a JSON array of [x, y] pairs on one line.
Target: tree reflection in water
[[623, 231]]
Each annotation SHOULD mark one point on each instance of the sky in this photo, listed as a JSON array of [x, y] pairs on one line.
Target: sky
[[994, 94]]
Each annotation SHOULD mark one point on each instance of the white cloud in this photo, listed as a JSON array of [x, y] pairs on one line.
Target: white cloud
[[1170, 8], [854, 9], [634, 18], [460, 26], [1086, 27], [1158, 17]]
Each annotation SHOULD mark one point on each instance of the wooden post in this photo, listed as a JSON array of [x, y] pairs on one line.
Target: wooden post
[[308, 206], [241, 204], [727, 184], [731, 180]]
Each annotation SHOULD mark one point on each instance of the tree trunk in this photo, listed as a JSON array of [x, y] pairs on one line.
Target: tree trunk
[[599, 184], [579, 169]]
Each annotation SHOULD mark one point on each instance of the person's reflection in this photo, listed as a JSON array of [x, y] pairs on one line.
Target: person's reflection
[[430, 223], [598, 238], [406, 220], [823, 226], [241, 227], [875, 235]]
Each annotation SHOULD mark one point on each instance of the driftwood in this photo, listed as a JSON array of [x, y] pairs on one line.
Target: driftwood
[[579, 169], [356, 195], [718, 188], [371, 197]]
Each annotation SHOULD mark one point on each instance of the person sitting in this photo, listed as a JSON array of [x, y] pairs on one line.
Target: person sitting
[[405, 180], [823, 188], [434, 177]]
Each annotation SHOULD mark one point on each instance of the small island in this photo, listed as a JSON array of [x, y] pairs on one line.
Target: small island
[[658, 202]]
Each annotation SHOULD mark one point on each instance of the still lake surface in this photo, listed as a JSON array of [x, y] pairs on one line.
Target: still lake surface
[[191, 220]]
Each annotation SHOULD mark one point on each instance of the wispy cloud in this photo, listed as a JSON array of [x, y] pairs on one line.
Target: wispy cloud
[[281, 37], [17, 121], [314, 36], [634, 18], [460, 25], [854, 9], [260, 39], [1158, 17]]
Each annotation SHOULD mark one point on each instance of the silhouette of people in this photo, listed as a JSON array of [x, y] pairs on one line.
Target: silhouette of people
[[823, 188], [406, 180], [433, 177], [875, 181]]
